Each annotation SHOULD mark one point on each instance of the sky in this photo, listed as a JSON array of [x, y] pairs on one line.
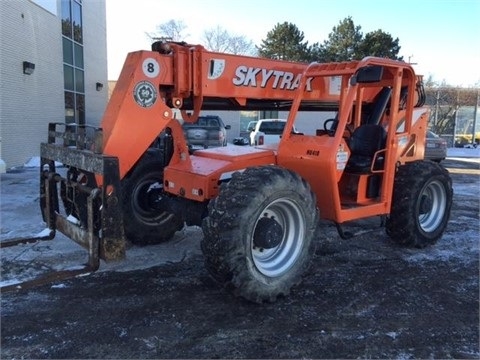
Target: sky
[[442, 37]]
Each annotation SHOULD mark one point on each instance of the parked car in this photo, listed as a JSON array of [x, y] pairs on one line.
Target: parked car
[[435, 147], [207, 131], [267, 131]]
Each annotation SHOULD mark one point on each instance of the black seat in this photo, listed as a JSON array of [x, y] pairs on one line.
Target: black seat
[[369, 138], [380, 104], [366, 140]]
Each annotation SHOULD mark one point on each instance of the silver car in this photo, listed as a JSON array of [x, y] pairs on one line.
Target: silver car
[[435, 147], [207, 131]]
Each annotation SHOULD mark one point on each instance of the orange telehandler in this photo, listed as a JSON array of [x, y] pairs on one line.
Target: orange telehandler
[[133, 179]]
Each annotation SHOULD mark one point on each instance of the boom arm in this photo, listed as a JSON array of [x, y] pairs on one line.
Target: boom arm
[[189, 78]]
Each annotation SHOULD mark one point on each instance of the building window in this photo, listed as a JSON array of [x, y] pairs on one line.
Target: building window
[[77, 22], [66, 18], [73, 65]]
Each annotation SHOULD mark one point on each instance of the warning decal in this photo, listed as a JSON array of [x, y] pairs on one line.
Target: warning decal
[[145, 94]]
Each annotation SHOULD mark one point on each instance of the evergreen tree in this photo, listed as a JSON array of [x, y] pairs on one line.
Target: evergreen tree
[[346, 42], [343, 42], [317, 53], [379, 43], [285, 42]]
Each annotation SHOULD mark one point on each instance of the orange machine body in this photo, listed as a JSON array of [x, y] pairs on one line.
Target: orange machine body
[[189, 78]]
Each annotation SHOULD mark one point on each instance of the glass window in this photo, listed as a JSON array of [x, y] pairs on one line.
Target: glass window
[[269, 114], [69, 107], [67, 51], [272, 127], [78, 56], [73, 67], [80, 106], [246, 117], [68, 77], [77, 22], [66, 19], [79, 81]]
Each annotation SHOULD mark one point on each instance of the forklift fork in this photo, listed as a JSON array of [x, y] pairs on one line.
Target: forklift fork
[[94, 219]]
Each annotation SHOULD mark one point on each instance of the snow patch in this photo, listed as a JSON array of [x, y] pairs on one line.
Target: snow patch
[[34, 162], [73, 220], [59, 286], [44, 233], [392, 334], [11, 282], [463, 152]]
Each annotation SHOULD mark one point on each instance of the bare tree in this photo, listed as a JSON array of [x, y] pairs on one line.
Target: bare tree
[[240, 45], [216, 39], [220, 40], [171, 30]]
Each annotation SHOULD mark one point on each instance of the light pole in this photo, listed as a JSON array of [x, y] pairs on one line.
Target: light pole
[[474, 142], [411, 63]]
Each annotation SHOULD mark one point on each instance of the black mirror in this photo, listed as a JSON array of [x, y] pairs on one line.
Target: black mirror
[[367, 74]]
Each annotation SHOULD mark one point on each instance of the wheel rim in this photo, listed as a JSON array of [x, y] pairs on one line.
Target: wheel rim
[[279, 259], [144, 194], [431, 206]]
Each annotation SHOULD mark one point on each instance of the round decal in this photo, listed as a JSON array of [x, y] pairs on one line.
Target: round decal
[[145, 94], [151, 67]]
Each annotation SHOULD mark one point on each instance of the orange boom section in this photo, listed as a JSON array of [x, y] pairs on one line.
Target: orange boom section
[[191, 79]]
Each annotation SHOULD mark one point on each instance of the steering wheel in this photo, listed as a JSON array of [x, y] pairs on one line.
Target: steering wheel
[[330, 126]]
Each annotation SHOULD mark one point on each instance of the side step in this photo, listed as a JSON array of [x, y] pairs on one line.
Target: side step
[[345, 235]]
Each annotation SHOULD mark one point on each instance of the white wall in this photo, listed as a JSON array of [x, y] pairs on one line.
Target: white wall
[[28, 102], [95, 55], [29, 32]]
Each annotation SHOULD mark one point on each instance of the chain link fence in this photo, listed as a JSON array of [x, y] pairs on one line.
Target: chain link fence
[[454, 114]]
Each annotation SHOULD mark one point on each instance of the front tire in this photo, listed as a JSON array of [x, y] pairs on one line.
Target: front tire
[[258, 238], [145, 221], [422, 199]]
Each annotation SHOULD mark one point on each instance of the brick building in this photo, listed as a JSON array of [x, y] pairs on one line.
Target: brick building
[[53, 68]]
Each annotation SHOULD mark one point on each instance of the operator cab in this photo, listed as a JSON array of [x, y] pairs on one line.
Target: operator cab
[[369, 138], [350, 157]]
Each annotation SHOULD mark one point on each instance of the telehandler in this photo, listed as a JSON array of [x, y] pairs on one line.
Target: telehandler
[[133, 178]]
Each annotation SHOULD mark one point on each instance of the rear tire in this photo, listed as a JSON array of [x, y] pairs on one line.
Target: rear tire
[[258, 238], [144, 223], [422, 199]]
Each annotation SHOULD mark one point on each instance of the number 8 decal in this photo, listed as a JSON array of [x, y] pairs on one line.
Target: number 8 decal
[[150, 67]]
